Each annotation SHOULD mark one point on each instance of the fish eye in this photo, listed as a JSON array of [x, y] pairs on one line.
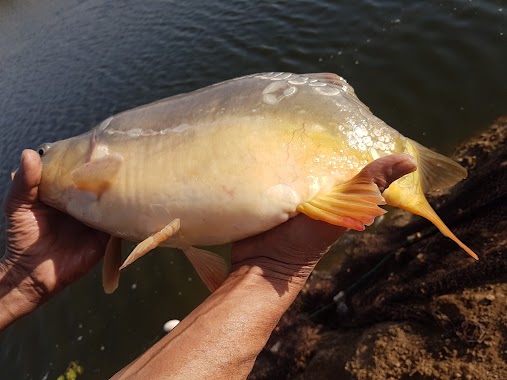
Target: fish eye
[[43, 149]]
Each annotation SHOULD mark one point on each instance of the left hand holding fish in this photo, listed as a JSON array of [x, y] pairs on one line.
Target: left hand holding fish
[[46, 249]]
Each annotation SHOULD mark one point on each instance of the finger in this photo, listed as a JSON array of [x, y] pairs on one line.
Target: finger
[[385, 170], [24, 186], [382, 171]]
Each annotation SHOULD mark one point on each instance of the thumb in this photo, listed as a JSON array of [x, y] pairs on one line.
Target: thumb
[[388, 169], [24, 187]]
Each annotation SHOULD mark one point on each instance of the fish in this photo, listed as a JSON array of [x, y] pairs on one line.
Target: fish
[[232, 160]]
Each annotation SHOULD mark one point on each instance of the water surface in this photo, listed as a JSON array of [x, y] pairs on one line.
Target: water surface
[[433, 70]]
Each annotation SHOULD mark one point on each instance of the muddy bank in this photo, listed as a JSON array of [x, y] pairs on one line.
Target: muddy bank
[[429, 311]]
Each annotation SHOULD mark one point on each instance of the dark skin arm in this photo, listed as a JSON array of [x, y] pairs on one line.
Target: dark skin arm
[[222, 337]]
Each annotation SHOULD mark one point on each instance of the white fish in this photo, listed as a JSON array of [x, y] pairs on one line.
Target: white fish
[[232, 160]]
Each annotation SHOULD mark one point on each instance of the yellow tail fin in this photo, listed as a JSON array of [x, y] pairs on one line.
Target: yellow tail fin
[[434, 172]]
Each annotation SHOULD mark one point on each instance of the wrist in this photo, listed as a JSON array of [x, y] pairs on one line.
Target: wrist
[[292, 276], [237, 319], [18, 294], [274, 286]]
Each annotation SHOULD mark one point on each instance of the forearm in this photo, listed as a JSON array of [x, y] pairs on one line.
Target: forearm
[[222, 337]]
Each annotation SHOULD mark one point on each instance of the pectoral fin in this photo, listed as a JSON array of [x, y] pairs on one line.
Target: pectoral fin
[[111, 265], [97, 175], [152, 242], [353, 204], [211, 267]]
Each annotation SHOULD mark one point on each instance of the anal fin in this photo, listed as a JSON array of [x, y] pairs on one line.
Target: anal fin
[[111, 265], [152, 242], [353, 204], [211, 267]]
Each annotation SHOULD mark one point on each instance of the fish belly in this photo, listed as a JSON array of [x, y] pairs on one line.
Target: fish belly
[[224, 183]]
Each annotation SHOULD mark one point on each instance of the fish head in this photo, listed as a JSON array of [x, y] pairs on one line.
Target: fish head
[[59, 160]]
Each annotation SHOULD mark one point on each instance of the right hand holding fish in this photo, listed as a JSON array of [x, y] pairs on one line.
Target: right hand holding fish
[[222, 337], [291, 250]]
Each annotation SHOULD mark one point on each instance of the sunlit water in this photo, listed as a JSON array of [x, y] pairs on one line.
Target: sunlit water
[[433, 70]]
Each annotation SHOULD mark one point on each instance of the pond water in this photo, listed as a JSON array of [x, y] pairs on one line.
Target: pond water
[[435, 71]]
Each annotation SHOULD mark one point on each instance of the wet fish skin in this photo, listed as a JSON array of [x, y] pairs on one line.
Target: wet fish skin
[[235, 159]]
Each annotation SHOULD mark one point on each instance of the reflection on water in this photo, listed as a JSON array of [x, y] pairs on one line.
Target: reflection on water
[[433, 70]]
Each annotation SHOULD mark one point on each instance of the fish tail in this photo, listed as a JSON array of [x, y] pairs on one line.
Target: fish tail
[[435, 171]]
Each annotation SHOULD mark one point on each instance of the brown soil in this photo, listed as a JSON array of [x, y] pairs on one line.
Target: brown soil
[[430, 312]]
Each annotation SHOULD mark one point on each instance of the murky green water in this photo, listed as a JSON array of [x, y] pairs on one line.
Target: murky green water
[[433, 70]]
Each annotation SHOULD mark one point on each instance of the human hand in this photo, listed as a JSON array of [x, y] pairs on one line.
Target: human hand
[[292, 249], [46, 249], [221, 338]]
